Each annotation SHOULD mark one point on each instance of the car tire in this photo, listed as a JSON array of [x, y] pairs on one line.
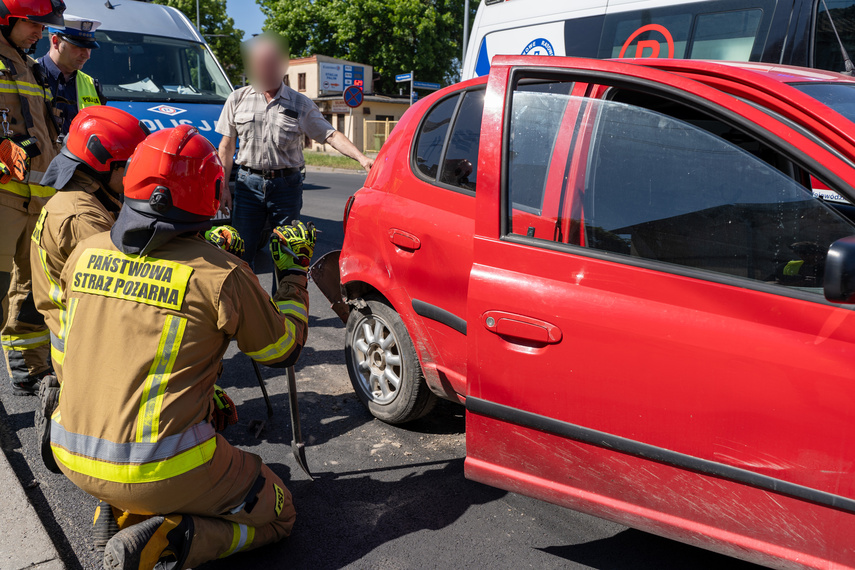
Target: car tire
[[383, 366]]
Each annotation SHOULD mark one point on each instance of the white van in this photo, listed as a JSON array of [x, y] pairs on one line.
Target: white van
[[154, 64], [795, 32]]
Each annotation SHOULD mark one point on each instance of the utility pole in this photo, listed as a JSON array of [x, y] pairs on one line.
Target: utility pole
[[197, 16], [465, 31]]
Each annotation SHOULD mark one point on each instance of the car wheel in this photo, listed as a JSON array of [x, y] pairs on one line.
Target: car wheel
[[383, 366]]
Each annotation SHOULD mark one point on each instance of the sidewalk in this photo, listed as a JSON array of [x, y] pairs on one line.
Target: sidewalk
[[24, 542]]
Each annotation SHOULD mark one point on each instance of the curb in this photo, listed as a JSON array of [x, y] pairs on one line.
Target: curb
[[24, 542], [333, 170]]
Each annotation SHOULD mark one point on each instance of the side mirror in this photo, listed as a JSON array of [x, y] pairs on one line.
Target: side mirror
[[839, 280]]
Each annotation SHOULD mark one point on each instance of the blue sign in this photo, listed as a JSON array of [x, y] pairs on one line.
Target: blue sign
[[403, 77], [353, 96], [540, 46], [158, 116], [425, 85], [415, 97], [354, 75]]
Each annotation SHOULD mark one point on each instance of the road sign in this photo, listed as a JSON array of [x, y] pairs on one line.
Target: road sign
[[426, 85], [404, 77], [353, 96], [414, 97]]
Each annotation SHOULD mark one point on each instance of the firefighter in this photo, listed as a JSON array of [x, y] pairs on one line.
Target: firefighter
[[151, 308], [27, 145], [70, 49], [88, 174]]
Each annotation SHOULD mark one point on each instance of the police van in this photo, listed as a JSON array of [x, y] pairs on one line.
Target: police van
[[795, 32], [154, 64]]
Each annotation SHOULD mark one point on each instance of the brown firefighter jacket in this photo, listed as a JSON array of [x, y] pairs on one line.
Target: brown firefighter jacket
[[71, 216], [145, 337], [26, 100]]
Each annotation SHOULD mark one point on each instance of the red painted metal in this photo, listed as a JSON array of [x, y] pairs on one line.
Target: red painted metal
[[724, 374]]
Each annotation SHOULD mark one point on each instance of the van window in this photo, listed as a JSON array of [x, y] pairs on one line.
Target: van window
[[725, 35], [826, 49], [137, 67]]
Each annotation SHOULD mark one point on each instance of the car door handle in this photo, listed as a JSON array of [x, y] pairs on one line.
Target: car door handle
[[514, 326], [404, 240]]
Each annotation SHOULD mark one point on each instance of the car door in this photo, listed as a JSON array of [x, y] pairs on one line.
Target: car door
[[670, 362]]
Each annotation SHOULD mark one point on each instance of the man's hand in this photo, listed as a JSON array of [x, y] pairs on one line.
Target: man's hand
[[226, 200], [226, 238], [292, 246], [366, 163]]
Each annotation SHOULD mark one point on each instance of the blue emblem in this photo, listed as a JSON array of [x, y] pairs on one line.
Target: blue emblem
[[540, 46]]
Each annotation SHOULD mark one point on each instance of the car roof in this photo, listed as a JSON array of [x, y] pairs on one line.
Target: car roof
[[136, 17], [774, 72]]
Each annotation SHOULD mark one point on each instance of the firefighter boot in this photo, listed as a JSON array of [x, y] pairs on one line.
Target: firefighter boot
[[30, 387], [104, 527], [48, 400], [160, 543]]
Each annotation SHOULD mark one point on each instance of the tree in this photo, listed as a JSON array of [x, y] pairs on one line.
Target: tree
[[218, 29], [394, 36]]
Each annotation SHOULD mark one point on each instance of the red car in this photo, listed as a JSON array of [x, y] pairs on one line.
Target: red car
[[622, 268]]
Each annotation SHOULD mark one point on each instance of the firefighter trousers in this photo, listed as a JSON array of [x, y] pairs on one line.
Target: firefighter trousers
[[25, 338], [237, 503]]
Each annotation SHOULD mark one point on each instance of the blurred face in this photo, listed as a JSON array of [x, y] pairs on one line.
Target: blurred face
[[267, 66], [68, 57], [116, 182], [26, 33]]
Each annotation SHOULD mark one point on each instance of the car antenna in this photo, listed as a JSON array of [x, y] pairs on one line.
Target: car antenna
[[847, 61]]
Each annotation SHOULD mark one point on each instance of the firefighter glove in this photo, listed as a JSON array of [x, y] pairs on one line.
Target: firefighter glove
[[226, 238], [225, 411], [14, 161], [292, 246]]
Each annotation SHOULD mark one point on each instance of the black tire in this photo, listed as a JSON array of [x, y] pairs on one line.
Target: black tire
[[372, 372]]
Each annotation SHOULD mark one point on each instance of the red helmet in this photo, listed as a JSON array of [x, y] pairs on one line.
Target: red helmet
[[175, 174], [47, 12], [102, 136]]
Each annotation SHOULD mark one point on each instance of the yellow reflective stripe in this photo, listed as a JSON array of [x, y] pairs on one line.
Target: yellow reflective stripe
[[138, 473], [55, 292], [87, 95], [27, 190], [40, 226], [242, 537], [148, 421], [57, 355], [279, 348], [25, 341], [66, 317], [294, 309]]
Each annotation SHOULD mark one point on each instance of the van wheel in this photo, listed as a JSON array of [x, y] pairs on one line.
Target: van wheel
[[383, 366]]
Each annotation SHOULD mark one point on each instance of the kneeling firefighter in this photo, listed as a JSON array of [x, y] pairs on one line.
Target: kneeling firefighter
[[151, 307]]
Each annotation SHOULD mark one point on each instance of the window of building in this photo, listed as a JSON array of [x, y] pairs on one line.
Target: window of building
[[339, 122], [287, 80], [301, 81]]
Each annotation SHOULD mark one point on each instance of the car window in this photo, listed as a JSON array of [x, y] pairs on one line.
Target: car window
[[707, 203], [460, 165], [431, 136]]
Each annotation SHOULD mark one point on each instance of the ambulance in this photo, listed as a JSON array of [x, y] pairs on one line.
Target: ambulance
[[154, 64], [794, 32]]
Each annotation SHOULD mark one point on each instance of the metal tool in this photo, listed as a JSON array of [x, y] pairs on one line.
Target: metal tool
[[326, 275], [257, 426], [298, 448]]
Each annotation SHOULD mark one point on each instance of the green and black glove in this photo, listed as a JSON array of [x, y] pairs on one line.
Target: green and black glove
[[292, 246], [226, 238]]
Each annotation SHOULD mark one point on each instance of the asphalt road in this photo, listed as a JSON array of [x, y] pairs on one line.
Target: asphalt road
[[385, 497]]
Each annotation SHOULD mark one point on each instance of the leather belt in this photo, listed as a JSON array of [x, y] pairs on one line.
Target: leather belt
[[271, 174]]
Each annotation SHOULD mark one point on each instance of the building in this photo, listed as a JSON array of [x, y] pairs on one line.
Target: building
[[323, 79]]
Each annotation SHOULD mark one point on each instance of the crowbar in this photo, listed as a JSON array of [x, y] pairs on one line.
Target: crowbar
[[298, 448], [258, 425]]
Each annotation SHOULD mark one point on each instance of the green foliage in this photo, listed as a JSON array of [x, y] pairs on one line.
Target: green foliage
[[395, 36], [218, 29]]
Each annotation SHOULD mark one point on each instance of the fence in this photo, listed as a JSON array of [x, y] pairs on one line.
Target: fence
[[375, 133]]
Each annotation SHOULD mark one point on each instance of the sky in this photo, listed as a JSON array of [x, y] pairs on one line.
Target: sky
[[247, 16]]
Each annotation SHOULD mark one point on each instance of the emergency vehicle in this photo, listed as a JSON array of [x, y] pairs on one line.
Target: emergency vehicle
[[794, 32], [154, 64]]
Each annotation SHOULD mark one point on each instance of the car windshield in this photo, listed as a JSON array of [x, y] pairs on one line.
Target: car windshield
[[838, 96], [137, 67]]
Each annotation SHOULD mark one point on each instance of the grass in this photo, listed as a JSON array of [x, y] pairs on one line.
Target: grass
[[315, 158]]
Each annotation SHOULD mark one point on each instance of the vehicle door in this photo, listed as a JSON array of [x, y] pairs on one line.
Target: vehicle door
[[669, 361]]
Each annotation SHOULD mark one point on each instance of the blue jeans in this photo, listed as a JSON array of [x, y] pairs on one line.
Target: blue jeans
[[258, 200]]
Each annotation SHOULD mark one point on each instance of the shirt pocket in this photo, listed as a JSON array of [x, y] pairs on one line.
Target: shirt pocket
[[287, 130], [246, 124]]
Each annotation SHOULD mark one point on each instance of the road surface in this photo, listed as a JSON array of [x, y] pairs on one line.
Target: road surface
[[385, 497]]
